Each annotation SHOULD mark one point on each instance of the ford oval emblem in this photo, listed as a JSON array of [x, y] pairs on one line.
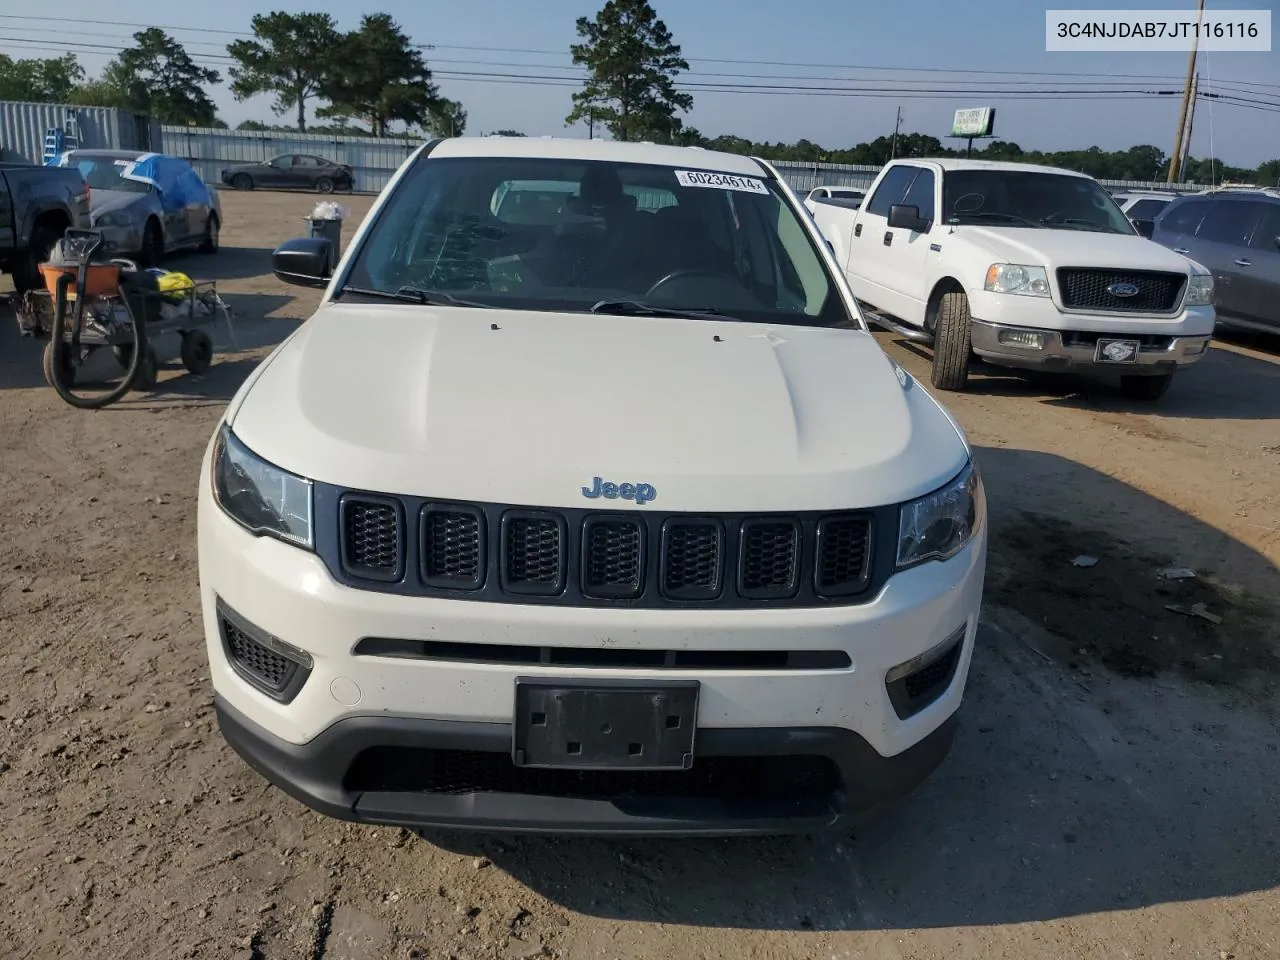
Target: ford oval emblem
[[1124, 290]]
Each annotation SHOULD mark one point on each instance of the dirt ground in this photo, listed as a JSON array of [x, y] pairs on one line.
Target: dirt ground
[[1114, 790]]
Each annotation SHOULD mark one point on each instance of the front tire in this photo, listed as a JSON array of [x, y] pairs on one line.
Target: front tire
[[324, 185], [26, 274], [152, 251], [210, 242], [952, 342], [1146, 389]]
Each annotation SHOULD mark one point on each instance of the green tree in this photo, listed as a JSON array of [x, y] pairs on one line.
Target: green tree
[[507, 133], [447, 119], [379, 77], [1268, 174], [633, 64], [39, 81], [289, 56], [97, 93], [159, 77]]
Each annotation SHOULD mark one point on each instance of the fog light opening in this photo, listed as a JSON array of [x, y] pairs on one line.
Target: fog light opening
[[1026, 339]]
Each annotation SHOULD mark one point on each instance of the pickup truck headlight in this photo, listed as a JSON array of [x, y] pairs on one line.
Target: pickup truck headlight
[[940, 524], [259, 496], [1200, 290], [1020, 279]]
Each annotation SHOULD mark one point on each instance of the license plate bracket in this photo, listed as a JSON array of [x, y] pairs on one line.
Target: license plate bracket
[[1120, 351], [618, 725]]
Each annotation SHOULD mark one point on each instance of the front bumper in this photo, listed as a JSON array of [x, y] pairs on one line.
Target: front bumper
[[325, 774], [1077, 350], [340, 733]]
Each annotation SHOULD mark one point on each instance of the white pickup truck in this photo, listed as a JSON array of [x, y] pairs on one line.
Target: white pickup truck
[[1021, 266]]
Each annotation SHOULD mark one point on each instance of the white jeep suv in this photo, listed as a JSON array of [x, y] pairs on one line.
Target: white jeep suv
[[586, 503]]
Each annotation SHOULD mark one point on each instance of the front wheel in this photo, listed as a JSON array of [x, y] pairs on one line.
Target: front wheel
[[152, 245], [952, 342], [1146, 389], [324, 185], [209, 243]]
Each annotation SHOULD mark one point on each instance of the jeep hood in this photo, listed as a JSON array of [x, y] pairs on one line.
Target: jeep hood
[[1070, 248], [529, 407]]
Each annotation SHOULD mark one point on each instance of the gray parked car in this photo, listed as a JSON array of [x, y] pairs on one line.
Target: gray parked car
[[1236, 235], [147, 204]]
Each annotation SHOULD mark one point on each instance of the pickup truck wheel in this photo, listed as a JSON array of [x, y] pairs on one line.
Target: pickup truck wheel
[[1148, 389], [26, 274], [952, 342]]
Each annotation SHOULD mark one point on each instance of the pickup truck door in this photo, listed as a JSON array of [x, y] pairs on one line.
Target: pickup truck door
[[886, 266], [7, 236]]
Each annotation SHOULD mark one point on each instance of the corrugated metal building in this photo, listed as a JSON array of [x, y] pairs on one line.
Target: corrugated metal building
[[23, 127]]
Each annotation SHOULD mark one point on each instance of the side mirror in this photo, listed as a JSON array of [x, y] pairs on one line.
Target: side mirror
[[907, 217], [1277, 240], [1145, 227], [303, 261]]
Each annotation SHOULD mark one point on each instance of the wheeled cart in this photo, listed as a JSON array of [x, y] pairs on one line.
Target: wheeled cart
[[112, 305]]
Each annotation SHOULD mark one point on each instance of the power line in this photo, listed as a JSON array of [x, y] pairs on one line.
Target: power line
[[62, 22]]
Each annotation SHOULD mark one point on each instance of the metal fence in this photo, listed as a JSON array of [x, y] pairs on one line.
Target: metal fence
[[372, 159], [23, 127]]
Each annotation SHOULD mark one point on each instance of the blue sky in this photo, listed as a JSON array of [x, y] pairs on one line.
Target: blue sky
[[909, 45]]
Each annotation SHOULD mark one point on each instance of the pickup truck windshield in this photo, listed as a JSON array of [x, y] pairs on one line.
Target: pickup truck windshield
[[532, 233], [1024, 199]]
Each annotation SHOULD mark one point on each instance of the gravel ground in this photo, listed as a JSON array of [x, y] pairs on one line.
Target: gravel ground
[[1112, 792]]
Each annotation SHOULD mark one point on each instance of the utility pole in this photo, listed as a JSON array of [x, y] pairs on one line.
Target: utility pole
[[893, 146], [1176, 157], [591, 128], [1191, 119]]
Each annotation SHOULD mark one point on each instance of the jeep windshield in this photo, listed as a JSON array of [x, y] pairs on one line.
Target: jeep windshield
[[531, 233], [1024, 199]]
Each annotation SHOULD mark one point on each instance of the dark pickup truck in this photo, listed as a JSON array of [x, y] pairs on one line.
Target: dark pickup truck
[[37, 204]]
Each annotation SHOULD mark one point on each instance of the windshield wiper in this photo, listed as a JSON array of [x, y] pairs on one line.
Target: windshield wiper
[[412, 294], [1012, 218], [1080, 222], [636, 308]]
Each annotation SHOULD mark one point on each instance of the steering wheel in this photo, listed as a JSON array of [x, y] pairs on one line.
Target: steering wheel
[[687, 272]]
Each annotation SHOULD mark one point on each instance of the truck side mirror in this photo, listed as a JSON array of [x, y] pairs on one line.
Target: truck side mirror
[[907, 217], [1145, 227]]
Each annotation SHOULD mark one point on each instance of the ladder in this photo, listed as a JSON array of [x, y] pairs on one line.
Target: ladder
[[57, 140]]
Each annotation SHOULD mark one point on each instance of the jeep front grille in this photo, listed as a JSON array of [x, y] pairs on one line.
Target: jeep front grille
[[497, 552], [1086, 288]]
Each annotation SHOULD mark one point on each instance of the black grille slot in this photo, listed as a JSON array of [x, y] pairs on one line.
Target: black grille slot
[[769, 559], [460, 772], [372, 537], [692, 559], [612, 557], [269, 668], [844, 556], [453, 547], [1085, 288], [533, 553], [606, 657]]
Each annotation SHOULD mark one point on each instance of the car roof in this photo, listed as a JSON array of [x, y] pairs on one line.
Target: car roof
[[959, 163], [111, 154], [565, 148]]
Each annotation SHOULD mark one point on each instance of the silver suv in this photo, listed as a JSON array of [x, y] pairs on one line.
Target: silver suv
[[1236, 235]]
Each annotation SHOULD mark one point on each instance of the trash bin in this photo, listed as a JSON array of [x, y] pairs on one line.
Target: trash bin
[[326, 221]]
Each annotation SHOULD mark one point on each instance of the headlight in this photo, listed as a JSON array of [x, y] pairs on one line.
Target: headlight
[[111, 220], [1200, 290], [260, 497], [938, 526], [1018, 279]]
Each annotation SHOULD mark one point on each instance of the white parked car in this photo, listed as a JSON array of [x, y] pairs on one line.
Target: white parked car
[[1143, 206], [1022, 266], [568, 515], [842, 196]]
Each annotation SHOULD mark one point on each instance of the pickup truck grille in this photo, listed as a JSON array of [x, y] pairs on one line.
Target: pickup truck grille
[[501, 553], [1086, 288]]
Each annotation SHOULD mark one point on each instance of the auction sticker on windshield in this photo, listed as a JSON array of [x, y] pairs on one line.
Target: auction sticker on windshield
[[720, 181]]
